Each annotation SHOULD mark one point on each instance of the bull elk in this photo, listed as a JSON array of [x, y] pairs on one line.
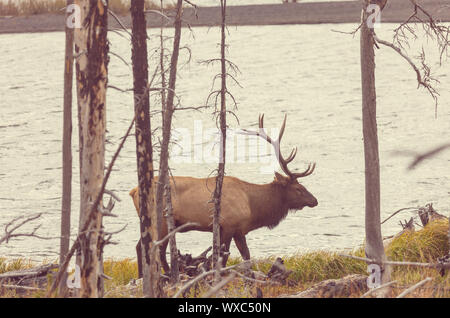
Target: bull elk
[[244, 207]]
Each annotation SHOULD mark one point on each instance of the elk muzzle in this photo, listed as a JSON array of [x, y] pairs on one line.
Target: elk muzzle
[[313, 202], [310, 200]]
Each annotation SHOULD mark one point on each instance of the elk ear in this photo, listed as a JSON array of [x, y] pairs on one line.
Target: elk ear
[[281, 179]]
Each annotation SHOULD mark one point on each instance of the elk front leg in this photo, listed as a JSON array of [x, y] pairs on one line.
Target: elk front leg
[[139, 258], [163, 257], [241, 244]]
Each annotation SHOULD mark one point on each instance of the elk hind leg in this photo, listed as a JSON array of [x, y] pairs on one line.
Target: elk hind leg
[[241, 244], [163, 257]]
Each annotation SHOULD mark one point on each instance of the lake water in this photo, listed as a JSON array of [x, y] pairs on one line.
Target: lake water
[[307, 71]]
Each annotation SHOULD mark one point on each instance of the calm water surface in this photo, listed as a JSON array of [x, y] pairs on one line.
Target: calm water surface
[[306, 71]]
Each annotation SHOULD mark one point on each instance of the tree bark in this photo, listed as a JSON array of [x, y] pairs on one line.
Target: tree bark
[[174, 262], [66, 153], [91, 49], [163, 188], [223, 136], [151, 264], [374, 242]]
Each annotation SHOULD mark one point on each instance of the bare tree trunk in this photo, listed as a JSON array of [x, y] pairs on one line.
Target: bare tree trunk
[[91, 49], [223, 135], [100, 279], [66, 154], [151, 264], [374, 242], [174, 267], [163, 184], [161, 59], [79, 47]]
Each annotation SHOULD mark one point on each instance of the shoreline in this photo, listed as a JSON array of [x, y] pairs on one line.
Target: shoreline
[[320, 273], [264, 14]]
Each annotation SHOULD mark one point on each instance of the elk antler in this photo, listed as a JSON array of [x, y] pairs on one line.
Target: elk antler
[[276, 145]]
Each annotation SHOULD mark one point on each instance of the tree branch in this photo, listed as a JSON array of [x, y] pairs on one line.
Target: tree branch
[[11, 228]]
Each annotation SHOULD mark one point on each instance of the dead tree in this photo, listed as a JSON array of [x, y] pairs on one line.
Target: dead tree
[[67, 150], [221, 94], [106, 211], [223, 135], [374, 240], [163, 187], [91, 51], [144, 153], [174, 260], [433, 30]]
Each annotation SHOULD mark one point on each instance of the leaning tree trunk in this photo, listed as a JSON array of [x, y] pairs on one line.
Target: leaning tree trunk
[[163, 186], [91, 49], [151, 264], [66, 153], [174, 266], [223, 136], [374, 242]]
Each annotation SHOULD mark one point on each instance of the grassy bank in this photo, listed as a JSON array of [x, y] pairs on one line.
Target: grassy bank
[[32, 7], [307, 269]]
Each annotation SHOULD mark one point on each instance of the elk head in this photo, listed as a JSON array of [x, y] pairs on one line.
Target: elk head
[[294, 194]]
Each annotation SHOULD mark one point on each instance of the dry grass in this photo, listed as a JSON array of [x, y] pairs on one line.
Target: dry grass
[[13, 265], [425, 245], [32, 7], [307, 269], [121, 272]]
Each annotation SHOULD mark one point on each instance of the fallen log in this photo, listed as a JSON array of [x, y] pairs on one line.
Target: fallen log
[[31, 277], [332, 288], [22, 288], [413, 288]]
